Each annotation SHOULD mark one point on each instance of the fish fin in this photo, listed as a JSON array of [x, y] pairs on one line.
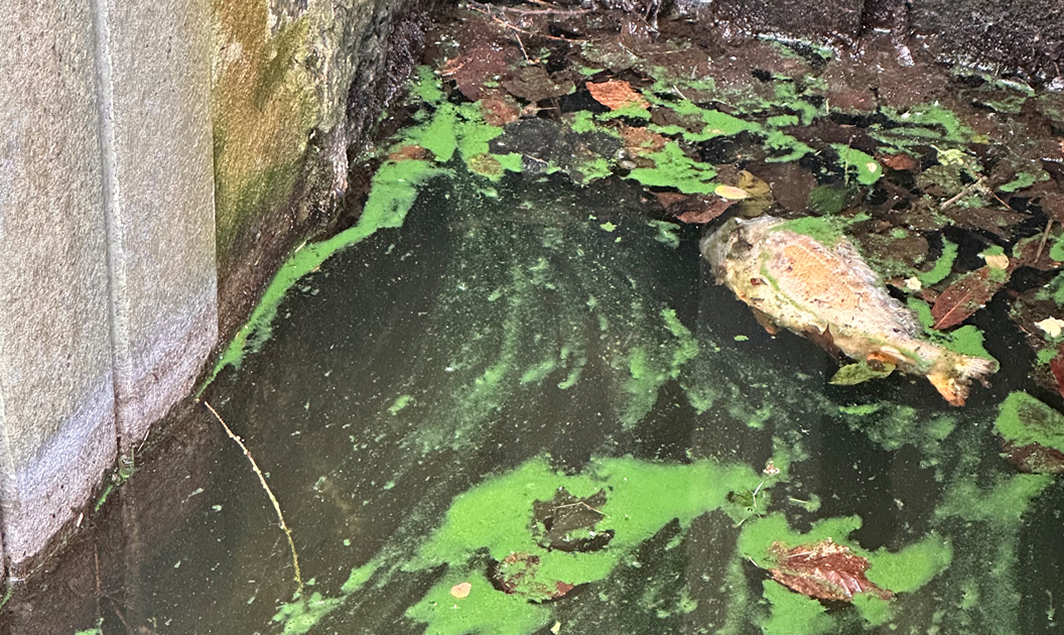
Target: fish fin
[[953, 375], [826, 341], [766, 321], [887, 355]]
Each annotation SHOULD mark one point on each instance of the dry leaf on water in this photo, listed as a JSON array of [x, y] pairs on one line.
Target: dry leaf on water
[[699, 209], [616, 94], [823, 570]]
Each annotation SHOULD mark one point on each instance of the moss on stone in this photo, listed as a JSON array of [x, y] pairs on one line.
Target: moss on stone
[[264, 105]]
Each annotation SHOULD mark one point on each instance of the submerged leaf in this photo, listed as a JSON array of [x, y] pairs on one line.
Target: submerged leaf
[[824, 570], [1033, 434]]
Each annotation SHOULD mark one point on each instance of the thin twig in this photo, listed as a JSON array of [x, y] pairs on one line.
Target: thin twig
[[269, 492], [599, 512], [962, 193], [1042, 243], [550, 11]]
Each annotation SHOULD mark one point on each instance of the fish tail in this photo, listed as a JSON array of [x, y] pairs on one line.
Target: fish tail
[[952, 375]]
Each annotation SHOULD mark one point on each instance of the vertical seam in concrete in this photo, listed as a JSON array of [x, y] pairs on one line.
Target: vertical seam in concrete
[[116, 283]]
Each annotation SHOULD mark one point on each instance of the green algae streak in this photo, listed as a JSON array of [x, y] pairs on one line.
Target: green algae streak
[[395, 187], [943, 266]]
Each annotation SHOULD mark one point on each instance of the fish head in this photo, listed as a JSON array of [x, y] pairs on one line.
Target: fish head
[[735, 240]]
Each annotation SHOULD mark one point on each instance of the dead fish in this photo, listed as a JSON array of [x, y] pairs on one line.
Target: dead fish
[[830, 295]]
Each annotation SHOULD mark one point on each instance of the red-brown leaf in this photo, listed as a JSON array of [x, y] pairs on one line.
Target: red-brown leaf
[[964, 297], [823, 570]]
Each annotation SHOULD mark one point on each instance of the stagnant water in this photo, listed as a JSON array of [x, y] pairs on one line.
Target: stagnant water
[[423, 389]]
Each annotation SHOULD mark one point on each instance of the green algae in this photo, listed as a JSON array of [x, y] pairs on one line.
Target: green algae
[[666, 232], [828, 199], [759, 534], [1023, 420], [673, 168], [1022, 180], [787, 147], [299, 616], [793, 614], [402, 401], [966, 340], [714, 122], [866, 168], [538, 372], [496, 517], [892, 426], [485, 610], [825, 230], [1056, 252], [911, 568], [942, 267], [922, 124], [904, 571], [651, 368]]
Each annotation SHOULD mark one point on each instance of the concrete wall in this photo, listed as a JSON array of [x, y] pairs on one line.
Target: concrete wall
[[150, 149], [106, 243]]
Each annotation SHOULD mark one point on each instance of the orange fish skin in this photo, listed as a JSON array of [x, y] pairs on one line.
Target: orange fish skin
[[808, 287]]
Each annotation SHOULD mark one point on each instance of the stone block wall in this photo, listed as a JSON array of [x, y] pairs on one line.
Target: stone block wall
[[108, 300], [150, 150]]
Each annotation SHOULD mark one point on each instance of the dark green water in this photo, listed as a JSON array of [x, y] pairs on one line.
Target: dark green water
[[500, 346]]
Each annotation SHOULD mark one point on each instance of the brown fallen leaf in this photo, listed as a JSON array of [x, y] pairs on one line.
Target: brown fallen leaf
[[408, 152], [639, 141], [499, 110], [966, 296], [699, 209], [1034, 458], [480, 65], [1056, 366], [668, 199], [534, 83], [616, 94], [824, 570], [899, 161]]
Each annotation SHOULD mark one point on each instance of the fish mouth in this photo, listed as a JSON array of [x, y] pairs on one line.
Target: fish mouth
[[716, 247]]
